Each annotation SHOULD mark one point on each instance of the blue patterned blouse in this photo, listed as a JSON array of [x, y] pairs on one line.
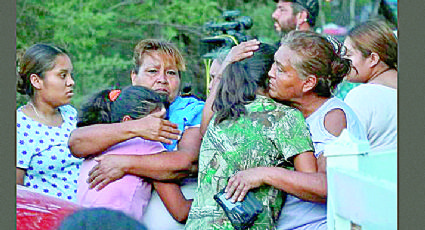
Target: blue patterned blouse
[[43, 152]]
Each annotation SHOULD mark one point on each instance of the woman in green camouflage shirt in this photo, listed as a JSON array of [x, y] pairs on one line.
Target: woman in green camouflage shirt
[[248, 130]]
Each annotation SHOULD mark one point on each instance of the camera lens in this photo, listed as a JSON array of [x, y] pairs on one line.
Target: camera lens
[[246, 22]]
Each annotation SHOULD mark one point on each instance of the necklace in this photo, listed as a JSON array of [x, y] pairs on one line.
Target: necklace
[[36, 112], [379, 74]]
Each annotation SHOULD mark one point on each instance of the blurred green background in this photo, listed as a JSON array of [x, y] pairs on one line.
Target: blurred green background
[[100, 35]]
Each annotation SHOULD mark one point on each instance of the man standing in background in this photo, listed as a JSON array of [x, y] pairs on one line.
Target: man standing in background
[[295, 15]]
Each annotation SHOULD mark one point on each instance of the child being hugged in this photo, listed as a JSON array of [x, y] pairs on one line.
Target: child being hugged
[[130, 194]]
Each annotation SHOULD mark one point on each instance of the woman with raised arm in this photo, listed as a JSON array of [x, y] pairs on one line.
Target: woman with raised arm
[[224, 57], [306, 68], [248, 130]]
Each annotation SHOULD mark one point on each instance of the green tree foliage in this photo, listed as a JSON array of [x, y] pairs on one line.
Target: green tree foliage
[[100, 35]]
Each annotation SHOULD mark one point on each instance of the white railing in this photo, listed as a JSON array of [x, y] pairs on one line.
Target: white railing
[[362, 186]]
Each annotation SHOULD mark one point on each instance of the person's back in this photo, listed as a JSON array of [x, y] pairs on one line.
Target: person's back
[[185, 112], [130, 194], [249, 131], [259, 138]]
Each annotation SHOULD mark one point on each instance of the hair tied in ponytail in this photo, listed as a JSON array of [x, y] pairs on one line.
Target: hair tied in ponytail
[[114, 94], [339, 48]]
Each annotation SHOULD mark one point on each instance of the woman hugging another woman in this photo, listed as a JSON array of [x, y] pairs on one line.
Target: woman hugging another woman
[[248, 130], [130, 194]]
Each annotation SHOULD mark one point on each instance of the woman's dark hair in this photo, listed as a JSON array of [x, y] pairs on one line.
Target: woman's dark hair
[[38, 59], [318, 56], [240, 82], [375, 36], [110, 106]]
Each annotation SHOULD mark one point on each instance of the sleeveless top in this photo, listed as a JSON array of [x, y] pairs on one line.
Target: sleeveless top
[[300, 214]]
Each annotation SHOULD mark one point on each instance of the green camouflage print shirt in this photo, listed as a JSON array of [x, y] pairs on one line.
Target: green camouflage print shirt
[[268, 134]]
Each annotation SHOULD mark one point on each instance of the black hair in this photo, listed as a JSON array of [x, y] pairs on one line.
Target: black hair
[[38, 59], [240, 82], [103, 107]]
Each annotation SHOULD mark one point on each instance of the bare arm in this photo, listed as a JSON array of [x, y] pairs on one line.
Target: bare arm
[[94, 139], [238, 53], [280, 178], [335, 122], [306, 184], [20, 173], [174, 200], [162, 166], [207, 111], [309, 186]]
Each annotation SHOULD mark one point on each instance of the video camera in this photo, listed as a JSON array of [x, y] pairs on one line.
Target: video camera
[[225, 34]]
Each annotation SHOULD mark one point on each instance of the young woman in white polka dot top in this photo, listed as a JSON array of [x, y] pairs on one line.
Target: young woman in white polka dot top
[[43, 125]]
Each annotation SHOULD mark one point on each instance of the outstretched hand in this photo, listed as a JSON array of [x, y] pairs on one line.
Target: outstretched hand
[[109, 168], [243, 181], [240, 52]]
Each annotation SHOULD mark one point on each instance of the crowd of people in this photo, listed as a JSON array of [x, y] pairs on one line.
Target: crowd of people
[[162, 159]]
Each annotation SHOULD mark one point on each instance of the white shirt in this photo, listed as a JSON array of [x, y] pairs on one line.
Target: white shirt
[[376, 107]]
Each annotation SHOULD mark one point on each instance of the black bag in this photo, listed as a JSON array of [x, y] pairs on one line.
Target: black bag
[[241, 214]]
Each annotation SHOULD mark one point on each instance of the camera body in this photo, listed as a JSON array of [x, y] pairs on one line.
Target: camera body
[[225, 34]]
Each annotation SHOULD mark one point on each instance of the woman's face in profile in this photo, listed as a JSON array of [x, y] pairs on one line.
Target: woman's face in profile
[[284, 83], [359, 68], [214, 71], [158, 74]]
